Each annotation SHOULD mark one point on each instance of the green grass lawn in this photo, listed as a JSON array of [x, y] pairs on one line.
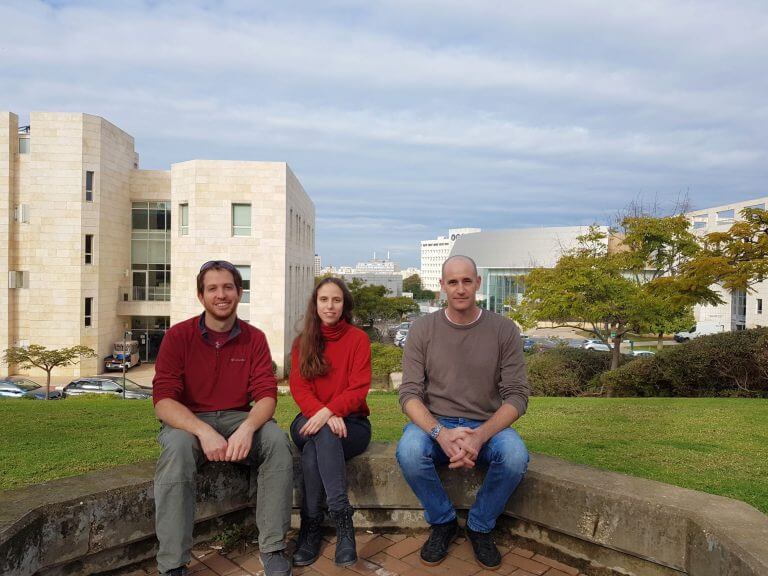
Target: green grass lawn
[[711, 444]]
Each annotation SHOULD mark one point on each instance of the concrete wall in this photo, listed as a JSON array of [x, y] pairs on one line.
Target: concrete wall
[[601, 522], [8, 159]]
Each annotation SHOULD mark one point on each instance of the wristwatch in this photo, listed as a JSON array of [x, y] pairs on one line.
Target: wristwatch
[[435, 431]]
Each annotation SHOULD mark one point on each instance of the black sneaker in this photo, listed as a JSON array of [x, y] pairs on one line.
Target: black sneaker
[[435, 549], [485, 549], [180, 571]]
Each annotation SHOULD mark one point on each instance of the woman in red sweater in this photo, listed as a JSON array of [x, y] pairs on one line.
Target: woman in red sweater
[[330, 377]]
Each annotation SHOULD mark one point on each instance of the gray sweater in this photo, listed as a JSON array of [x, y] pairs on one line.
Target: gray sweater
[[465, 370]]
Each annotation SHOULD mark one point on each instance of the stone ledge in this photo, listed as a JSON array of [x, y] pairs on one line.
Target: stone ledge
[[609, 521]]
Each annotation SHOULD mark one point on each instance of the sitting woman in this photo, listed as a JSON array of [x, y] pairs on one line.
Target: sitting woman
[[330, 377]]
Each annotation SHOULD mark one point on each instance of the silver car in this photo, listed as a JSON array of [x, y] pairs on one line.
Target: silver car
[[108, 386]]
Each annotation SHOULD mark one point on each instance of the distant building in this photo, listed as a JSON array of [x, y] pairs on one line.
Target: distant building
[[504, 257], [92, 246], [377, 266], [318, 265], [410, 271], [741, 309], [433, 254], [392, 282]]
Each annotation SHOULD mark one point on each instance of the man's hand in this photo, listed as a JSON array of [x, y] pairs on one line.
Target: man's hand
[[317, 421], [239, 444], [472, 442], [449, 440], [337, 426], [214, 445]]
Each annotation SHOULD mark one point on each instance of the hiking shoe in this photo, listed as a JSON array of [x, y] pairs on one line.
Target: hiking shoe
[[486, 553], [435, 549], [346, 550], [310, 538], [276, 563]]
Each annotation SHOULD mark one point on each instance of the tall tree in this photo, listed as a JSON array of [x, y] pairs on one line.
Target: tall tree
[[41, 357], [413, 284]]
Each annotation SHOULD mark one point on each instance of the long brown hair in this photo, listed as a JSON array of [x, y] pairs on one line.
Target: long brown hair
[[311, 343]]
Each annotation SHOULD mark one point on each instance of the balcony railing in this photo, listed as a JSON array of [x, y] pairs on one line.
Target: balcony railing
[[144, 294]]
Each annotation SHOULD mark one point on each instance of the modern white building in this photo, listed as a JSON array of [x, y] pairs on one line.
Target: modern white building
[[410, 271], [378, 266], [433, 254], [318, 264], [504, 257], [742, 309], [92, 246]]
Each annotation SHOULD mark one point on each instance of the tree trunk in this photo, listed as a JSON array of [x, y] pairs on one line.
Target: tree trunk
[[48, 385], [615, 352], [660, 341]]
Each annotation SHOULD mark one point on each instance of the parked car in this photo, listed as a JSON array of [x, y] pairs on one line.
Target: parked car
[[393, 330], [401, 337], [598, 345], [109, 386], [124, 354], [132, 384], [642, 353], [700, 329], [528, 344], [18, 387]]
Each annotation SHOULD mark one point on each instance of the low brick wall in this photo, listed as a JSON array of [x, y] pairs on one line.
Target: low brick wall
[[601, 521]]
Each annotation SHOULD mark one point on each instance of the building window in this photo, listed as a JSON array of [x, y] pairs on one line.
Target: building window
[[89, 248], [726, 216], [183, 219], [241, 219], [151, 251], [88, 311], [89, 186], [18, 279], [759, 305], [23, 145], [21, 213], [245, 272]]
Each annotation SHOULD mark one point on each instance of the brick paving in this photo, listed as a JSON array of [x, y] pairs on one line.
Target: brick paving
[[380, 554]]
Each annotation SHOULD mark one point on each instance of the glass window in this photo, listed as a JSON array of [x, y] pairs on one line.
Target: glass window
[[23, 145], [140, 216], [109, 386], [241, 219], [757, 206], [725, 216], [88, 311], [183, 219], [89, 186], [245, 272], [759, 305], [89, 248]]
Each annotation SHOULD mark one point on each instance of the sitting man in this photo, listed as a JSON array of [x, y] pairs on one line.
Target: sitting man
[[464, 384], [209, 369]]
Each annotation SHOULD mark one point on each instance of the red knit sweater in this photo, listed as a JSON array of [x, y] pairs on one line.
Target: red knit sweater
[[343, 389]]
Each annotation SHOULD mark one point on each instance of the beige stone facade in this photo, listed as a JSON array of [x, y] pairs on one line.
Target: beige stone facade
[[67, 189]]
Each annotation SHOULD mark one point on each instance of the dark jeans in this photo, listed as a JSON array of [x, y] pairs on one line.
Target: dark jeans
[[323, 462]]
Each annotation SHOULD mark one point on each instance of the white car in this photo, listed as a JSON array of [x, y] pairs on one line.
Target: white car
[[401, 337], [642, 353], [598, 345]]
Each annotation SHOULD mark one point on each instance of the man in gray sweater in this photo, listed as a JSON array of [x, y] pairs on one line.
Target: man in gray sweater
[[464, 384]]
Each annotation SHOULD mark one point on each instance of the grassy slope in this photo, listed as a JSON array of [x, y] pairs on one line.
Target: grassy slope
[[715, 445]]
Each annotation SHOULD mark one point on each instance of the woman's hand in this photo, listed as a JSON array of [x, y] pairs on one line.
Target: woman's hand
[[337, 426], [317, 421]]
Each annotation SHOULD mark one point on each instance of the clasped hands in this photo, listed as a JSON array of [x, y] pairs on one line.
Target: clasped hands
[[233, 449], [321, 418], [461, 445]]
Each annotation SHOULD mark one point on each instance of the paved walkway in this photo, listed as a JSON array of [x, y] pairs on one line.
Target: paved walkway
[[381, 554]]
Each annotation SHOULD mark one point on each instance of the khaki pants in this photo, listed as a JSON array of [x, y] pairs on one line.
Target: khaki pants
[[175, 489]]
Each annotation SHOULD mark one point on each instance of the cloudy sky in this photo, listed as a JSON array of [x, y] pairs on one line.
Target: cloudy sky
[[404, 118]]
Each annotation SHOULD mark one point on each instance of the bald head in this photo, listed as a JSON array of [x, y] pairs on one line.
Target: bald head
[[458, 259]]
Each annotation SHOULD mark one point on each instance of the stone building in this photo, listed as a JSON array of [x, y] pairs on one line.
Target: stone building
[[91, 246]]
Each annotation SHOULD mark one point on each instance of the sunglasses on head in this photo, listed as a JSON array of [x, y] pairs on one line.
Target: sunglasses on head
[[218, 264]]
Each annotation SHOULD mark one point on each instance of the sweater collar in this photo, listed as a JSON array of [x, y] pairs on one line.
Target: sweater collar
[[336, 331]]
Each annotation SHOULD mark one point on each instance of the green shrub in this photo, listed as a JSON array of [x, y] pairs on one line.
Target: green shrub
[[727, 364], [385, 359], [564, 371]]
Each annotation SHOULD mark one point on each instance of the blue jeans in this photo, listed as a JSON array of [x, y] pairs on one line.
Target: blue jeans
[[504, 455]]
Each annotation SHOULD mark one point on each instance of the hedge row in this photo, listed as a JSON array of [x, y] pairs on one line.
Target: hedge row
[[727, 364]]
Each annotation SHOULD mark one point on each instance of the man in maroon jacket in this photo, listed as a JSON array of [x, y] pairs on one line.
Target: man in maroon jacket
[[208, 372]]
